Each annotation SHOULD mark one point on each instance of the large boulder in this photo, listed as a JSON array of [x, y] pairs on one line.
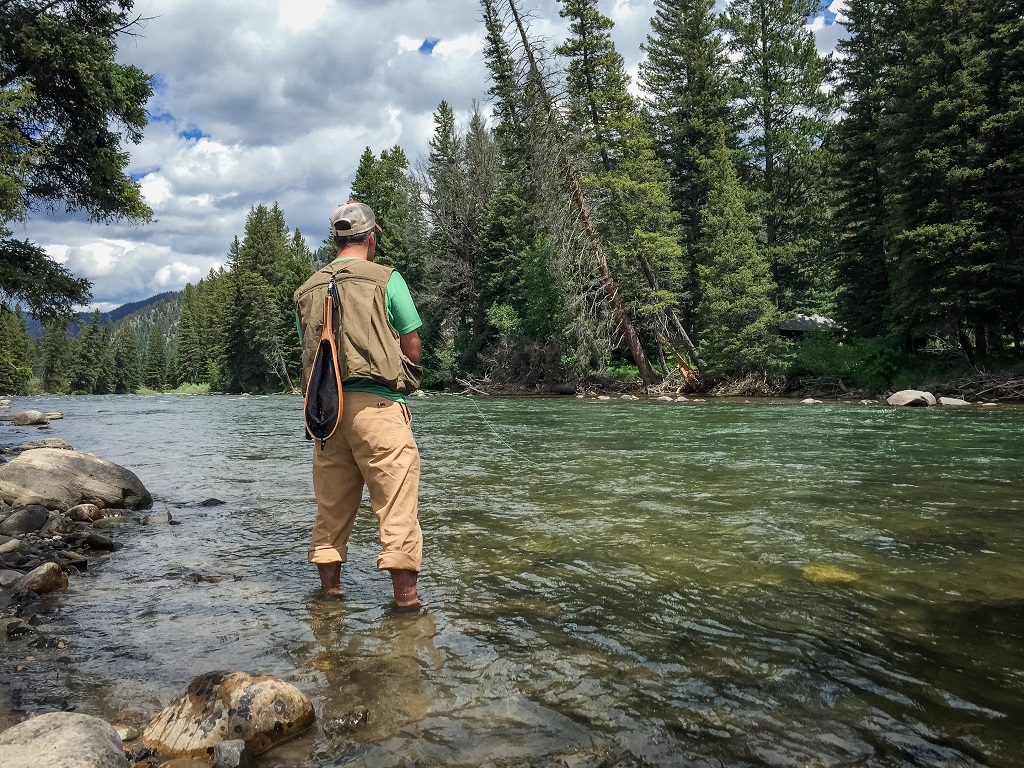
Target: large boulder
[[29, 418], [62, 740], [221, 706], [911, 397], [61, 479]]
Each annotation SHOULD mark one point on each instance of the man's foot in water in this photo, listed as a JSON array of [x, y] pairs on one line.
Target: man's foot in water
[[404, 584], [330, 579]]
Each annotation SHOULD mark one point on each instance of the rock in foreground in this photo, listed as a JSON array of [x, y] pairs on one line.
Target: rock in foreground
[[62, 740], [220, 706], [60, 479]]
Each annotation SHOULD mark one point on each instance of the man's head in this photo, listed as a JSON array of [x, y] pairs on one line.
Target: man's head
[[353, 223]]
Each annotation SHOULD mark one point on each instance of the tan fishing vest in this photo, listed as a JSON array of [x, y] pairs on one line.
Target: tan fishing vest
[[368, 345]]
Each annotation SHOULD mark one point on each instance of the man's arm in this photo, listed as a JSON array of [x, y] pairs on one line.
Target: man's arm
[[411, 347]]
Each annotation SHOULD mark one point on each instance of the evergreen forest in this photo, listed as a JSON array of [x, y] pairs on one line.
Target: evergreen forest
[[578, 227]]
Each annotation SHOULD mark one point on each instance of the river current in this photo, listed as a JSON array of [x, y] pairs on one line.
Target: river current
[[607, 583]]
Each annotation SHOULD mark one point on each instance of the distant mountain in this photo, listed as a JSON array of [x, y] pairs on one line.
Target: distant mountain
[[162, 310]]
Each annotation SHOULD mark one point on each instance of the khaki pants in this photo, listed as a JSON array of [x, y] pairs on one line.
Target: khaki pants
[[374, 446]]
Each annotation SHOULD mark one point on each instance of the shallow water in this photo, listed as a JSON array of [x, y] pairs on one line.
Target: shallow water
[[633, 581]]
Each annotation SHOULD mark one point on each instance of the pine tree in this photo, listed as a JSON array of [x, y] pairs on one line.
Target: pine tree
[[16, 354], [686, 81], [458, 180], [784, 112], [857, 173], [257, 323], [1004, 188], [737, 318], [945, 253], [126, 367], [86, 359], [154, 366], [190, 355], [56, 352], [385, 185]]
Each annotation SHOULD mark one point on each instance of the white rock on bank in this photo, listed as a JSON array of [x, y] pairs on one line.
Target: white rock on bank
[[911, 397], [30, 418], [952, 402], [62, 740], [62, 479]]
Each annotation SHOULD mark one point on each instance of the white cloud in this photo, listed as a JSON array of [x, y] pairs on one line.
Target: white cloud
[[263, 102]]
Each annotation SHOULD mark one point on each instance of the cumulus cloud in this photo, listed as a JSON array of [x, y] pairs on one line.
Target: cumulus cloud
[[274, 101]]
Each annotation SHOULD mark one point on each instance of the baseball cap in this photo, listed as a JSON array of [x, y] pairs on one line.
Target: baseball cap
[[353, 218]]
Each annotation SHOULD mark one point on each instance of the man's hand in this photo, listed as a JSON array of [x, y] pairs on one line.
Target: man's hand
[[411, 346]]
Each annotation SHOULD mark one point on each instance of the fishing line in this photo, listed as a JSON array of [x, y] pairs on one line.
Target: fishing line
[[489, 425]]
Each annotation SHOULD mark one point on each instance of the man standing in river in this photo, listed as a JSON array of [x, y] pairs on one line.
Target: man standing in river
[[378, 347]]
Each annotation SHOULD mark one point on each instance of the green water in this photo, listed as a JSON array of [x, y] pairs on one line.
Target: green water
[[708, 584]]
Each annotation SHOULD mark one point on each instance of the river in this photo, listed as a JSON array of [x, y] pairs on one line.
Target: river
[[608, 583]]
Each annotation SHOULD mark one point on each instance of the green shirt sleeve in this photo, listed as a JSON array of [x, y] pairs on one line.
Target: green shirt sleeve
[[401, 309]]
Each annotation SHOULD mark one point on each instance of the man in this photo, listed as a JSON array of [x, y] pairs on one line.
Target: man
[[379, 351]]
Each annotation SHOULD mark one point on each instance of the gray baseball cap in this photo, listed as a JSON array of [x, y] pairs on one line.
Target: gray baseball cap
[[353, 218]]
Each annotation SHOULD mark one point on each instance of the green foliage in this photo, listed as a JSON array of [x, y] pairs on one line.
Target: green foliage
[[16, 355], [385, 185], [154, 365], [505, 321], [627, 185], [86, 359], [125, 373], [737, 318], [869, 364], [66, 109], [784, 110], [685, 77]]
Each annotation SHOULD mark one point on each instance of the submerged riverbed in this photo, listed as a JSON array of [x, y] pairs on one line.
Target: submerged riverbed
[[708, 584]]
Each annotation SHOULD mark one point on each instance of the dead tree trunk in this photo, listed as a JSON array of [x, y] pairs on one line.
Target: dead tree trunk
[[611, 289]]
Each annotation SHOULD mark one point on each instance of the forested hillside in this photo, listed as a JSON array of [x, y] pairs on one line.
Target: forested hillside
[[575, 231]]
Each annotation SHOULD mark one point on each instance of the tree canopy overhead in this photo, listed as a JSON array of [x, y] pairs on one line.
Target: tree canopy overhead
[[67, 109]]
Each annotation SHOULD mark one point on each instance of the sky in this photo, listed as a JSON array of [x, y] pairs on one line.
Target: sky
[[264, 101]]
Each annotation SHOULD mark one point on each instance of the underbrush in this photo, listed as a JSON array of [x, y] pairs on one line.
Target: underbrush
[[874, 366]]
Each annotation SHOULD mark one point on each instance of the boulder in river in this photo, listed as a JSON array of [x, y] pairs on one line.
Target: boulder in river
[[216, 707], [62, 740], [911, 397], [48, 577], [30, 418], [952, 402], [61, 479], [85, 513]]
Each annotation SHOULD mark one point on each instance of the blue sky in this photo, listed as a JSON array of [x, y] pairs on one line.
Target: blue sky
[[267, 101]]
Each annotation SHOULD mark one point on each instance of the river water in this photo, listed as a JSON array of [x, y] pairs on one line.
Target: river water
[[616, 583]]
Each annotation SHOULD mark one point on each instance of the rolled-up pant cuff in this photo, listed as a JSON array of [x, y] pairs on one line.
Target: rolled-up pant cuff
[[399, 561], [326, 555]]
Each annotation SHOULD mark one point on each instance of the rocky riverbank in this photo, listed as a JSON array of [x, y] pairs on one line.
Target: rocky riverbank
[[61, 513]]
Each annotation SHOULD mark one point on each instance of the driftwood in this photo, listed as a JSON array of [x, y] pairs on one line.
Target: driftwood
[[986, 386], [470, 388]]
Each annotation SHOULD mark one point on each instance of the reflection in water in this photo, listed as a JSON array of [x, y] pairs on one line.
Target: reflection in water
[[373, 679], [607, 584]]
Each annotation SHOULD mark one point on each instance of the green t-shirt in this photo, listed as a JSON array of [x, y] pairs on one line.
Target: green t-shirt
[[403, 317]]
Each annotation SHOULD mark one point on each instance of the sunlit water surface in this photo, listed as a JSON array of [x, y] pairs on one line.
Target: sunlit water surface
[[627, 581]]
